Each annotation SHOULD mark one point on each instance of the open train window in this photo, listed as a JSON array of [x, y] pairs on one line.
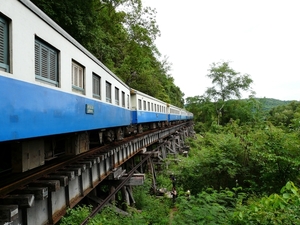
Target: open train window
[[96, 86], [46, 62], [4, 57], [117, 96], [108, 92], [77, 78]]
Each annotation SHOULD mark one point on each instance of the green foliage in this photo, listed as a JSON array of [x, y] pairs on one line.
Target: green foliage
[[280, 208], [261, 159], [76, 215], [246, 111], [206, 207], [286, 116], [270, 103], [203, 110], [120, 34], [227, 84], [267, 159], [233, 157], [273, 158], [215, 164]]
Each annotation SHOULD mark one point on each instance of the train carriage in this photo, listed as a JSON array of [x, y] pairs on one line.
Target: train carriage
[[56, 97], [174, 113], [147, 110], [50, 83]]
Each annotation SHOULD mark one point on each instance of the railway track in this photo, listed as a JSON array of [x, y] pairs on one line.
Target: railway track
[[64, 182], [12, 182]]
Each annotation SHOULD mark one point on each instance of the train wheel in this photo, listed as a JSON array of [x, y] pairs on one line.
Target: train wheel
[[119, 134]]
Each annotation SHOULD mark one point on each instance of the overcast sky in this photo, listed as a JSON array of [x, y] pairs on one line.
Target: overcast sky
[[259, 37]]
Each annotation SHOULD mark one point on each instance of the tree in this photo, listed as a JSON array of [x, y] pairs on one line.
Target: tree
[[203, 110], [121, 34], [227, 84]]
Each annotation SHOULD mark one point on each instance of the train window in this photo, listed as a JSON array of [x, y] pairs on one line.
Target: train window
[[123, 99], [140, 104], [152, 106], [148, 106], [108, 92], [77, 78], [117, 96], [4, 57], [96, 86], [127, 101], [145, 105], [46, 63]]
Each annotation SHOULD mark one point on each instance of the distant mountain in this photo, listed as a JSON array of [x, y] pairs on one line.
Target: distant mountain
[[269, 103]]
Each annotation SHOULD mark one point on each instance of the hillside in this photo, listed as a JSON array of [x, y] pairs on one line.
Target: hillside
[[269, 103]]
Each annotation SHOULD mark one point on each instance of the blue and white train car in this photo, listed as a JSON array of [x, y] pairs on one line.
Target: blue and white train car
[[190, 116], [56, 97], [148, 110], [174, 113], [50, 84]]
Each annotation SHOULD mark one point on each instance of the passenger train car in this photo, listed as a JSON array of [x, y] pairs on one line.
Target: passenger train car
[[57, 98]]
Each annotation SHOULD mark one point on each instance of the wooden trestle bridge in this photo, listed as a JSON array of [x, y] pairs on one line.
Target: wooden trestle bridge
[[43, 195]]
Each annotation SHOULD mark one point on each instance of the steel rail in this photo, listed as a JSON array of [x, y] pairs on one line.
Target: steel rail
[[30, 176], [106, 200]]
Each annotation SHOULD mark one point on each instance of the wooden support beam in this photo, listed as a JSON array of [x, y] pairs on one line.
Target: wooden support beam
[[88, 164], [53, 185], [92, 160], [99, 201], [40, 193], [77, 170], [69, 173], [135, 179], [64, 180], [22, 200], [95, 159], [76, 165], [8, 213], [116, 173], [129, 190]]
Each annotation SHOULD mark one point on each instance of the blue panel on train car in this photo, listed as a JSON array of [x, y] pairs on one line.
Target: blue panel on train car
[[173, 117], [29, 110], [146, 117]]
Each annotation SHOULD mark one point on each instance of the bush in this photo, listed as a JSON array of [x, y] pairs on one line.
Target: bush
[[280, 208]]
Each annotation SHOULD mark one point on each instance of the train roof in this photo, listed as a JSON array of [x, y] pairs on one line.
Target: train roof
[[136, 92], [67, 36]]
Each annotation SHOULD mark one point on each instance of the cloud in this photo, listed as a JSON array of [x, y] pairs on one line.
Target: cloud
[[260, 38]]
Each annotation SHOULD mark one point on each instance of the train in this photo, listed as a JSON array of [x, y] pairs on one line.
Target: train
[[57, 98]]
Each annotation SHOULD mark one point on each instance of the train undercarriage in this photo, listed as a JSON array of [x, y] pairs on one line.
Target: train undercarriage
[[23, 155]]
